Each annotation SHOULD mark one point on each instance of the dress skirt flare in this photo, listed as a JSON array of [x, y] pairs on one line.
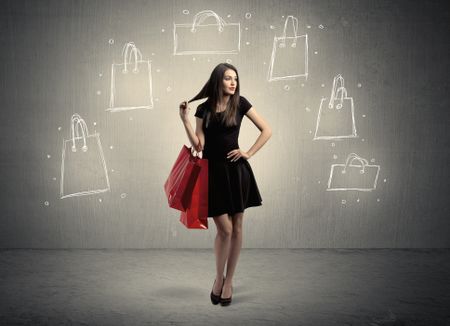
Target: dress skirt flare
[[231, 187]]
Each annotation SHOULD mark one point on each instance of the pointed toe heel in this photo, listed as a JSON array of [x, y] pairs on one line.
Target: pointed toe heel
[[215, 299], [226, 301]]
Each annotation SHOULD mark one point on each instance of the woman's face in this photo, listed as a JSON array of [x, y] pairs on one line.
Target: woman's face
[[229, 82]]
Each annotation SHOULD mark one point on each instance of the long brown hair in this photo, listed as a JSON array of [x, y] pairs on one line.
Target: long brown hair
[[213, 90]]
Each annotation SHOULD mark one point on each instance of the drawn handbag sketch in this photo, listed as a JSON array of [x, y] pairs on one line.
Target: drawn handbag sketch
[[350, 176], [83, 167], [336, 119], [198, 38], [131, 82], [289, 58]]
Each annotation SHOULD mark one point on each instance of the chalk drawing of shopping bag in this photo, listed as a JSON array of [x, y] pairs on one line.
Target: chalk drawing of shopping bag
[[131, 82], [289, 58], [336, 117], [83, 167], [199, 38], [359, 176]]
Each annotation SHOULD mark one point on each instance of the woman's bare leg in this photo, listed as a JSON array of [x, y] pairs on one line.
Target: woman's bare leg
[[235, 249], [221, 248]]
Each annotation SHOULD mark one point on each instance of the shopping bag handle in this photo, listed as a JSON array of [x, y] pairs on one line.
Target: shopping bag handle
[[353, 156], [343, 92], [202, 15], [76, 124], [294, 21], [338, 84], [77, 121], [194, 151], [79, 125], [126, 49], [127, 56]]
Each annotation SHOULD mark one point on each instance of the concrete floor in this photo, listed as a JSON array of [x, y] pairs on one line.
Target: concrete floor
[[271, 287]]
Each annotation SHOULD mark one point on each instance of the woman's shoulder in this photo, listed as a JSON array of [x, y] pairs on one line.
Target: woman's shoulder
[[244, 104], [202, 108], [242, 98], [201, 104], [205, 105]]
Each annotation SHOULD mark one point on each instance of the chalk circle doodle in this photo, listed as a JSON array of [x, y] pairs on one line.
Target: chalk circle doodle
[[289, 59], [219, 37], [83, 167], [131, 82]]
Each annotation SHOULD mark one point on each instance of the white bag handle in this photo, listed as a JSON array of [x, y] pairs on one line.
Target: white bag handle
[[343, 92], [338, 84], [75, 122], [78, 126], [202, 15], [127, 56], [353, 156], [193, 150], [126, 49], [137, 57], [294, 21]]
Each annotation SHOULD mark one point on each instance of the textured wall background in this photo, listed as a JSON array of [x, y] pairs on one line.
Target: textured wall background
[[56, 61]]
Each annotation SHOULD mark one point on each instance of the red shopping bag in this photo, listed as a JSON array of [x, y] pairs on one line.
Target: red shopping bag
[[181, 181], [196, 214]]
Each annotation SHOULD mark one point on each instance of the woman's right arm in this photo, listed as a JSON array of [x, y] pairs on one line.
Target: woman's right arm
[[198, 135]]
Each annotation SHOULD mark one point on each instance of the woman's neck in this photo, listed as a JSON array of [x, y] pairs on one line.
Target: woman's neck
[[224, 100]]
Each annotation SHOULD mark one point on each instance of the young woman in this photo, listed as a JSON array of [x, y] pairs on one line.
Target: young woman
[[231, 184]]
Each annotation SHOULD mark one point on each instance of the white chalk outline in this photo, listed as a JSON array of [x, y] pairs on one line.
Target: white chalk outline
[[348, 163], [77, 122], [338, 80], [282, 44], [196, 24], [127, 58]]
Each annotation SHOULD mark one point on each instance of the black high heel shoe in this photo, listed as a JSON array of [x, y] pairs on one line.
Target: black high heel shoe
[[215, 299], [225, 301]]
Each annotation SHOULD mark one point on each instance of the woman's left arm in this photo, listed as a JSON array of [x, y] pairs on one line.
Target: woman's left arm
[[266, 133]]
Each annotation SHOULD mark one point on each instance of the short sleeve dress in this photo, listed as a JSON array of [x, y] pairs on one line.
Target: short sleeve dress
[[231, 185]]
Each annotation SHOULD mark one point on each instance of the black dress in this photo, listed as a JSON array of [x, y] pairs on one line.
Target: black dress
[[231, 185]]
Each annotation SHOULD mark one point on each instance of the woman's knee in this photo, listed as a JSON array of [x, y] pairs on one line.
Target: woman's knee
[[237, 223], [225, 233], [224, 226]]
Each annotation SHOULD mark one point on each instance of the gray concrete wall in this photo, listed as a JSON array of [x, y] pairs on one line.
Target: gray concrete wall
[[57, 58]]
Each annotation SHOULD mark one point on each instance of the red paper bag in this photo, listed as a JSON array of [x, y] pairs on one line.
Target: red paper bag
[[196, 214], [180, 183]]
